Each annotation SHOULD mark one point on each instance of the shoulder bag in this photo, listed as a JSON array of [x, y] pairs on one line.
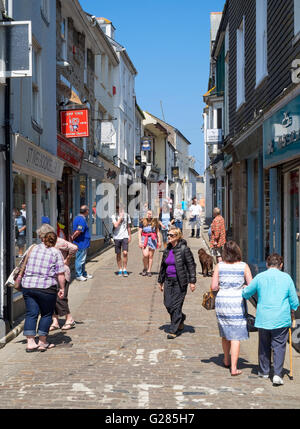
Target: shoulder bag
[[14, 280], [250, 319], [209, 299]]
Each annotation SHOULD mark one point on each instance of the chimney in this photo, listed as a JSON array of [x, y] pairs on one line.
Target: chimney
[[107, 27]]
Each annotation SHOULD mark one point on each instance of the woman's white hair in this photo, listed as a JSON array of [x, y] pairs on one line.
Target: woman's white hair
[[42, 231]]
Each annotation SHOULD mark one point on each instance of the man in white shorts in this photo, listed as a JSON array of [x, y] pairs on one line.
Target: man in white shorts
[[122, 237]]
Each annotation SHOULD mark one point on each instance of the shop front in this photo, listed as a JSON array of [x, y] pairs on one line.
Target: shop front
[[282, 159], [35, 176], [72, 157]]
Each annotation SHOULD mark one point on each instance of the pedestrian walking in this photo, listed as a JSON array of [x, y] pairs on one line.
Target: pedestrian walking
[[195, 220], [218, 234], [44, 272], [277, 297], [68, 251], [20, 231], [184, 207], [82, 238], [177, 270], [178, 217], [229, 278], [149, 241], [165, 219], [122, 237]]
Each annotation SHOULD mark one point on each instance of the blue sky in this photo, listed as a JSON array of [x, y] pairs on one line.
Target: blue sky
[[168, 42]]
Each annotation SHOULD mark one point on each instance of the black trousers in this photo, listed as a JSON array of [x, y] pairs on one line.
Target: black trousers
[[272, 339], [62, 304], [173, 299]]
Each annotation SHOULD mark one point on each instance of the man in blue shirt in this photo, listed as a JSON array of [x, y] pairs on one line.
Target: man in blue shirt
[[277, 297], [82, 238]]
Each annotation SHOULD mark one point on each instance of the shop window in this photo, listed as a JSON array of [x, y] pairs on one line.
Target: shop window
[[83, 190], [45, 197], [267, 237], [19, 214], [294, 227]]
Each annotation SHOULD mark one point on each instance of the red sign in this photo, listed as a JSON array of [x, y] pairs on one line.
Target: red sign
[[74, 123], [69, 152]]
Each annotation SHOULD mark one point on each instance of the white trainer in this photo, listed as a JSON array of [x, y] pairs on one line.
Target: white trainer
[[81, 279], [277, 381], [88, 276]]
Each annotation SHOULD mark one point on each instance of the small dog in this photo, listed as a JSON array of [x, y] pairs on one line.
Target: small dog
[[206, 261]]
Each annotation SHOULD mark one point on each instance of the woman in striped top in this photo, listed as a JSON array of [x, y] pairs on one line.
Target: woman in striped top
[[229, 278]]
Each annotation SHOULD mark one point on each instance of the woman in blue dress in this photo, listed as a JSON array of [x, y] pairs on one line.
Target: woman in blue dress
[[149, 241], [229, 278]]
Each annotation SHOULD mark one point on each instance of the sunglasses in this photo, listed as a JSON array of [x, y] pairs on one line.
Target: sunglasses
[[172, 235]]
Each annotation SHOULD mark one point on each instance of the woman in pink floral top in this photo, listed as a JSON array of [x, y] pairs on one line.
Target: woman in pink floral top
[[68, 251]]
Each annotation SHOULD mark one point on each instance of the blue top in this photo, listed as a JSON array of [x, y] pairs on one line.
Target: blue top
[[276, 298], [171, 266], [84, 239], [21, 221], [184, 205]]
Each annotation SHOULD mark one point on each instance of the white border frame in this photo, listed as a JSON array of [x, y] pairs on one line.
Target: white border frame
[[20, 73]]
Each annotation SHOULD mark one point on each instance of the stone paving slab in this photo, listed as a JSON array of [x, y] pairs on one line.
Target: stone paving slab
[[118, 356]]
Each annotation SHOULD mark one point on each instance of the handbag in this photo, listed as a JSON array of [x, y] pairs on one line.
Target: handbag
[[18, 271], [209, 299], [250, 319]]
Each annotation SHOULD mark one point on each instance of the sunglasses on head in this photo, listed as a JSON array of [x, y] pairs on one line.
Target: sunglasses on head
[[171, 235]]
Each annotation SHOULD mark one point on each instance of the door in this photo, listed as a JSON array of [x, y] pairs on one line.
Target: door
[[294, 226]]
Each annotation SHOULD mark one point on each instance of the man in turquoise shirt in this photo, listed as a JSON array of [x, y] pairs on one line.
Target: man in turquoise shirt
[[276, 298]]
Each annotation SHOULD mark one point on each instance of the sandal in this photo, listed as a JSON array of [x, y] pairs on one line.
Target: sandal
[[53, 328], [149, 274], [45, 347], [238, 372], [68, 326], [32, 350], [144, 273]]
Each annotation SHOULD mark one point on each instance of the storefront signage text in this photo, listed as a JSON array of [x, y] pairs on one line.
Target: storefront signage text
[[282, 134], [69, 152], [75, 123]]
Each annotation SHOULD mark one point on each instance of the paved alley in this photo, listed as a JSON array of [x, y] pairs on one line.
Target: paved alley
[[119, 357]]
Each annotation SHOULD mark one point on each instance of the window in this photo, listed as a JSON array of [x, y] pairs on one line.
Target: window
[[103, 69], [64, 39], [85, 67], [36, 85], [219, 119], [45, 10], [261, 40], [240, 64], [296, 16]]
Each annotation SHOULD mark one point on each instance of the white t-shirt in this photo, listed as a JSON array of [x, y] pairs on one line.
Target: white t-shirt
[[195, 210], [122, 231]]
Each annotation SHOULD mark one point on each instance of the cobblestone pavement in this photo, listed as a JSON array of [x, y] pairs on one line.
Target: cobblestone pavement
[[118, 355]]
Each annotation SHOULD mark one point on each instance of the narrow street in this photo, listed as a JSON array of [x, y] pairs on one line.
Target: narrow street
[[118, 355]]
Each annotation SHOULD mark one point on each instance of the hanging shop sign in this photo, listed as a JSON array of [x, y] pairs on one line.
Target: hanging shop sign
[[146, 143], [281, 134], [69, 152], [175, 172], [214, 136], [75, 123]]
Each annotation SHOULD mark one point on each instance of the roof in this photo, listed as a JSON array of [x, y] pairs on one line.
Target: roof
[[175, 129]]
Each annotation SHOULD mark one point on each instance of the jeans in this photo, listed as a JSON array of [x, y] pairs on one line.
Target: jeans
[[38, 302], [80, 263], [178, 224]]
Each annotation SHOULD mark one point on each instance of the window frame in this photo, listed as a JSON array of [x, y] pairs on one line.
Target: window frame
[[261, 40], [36, 80], [240, 64]]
